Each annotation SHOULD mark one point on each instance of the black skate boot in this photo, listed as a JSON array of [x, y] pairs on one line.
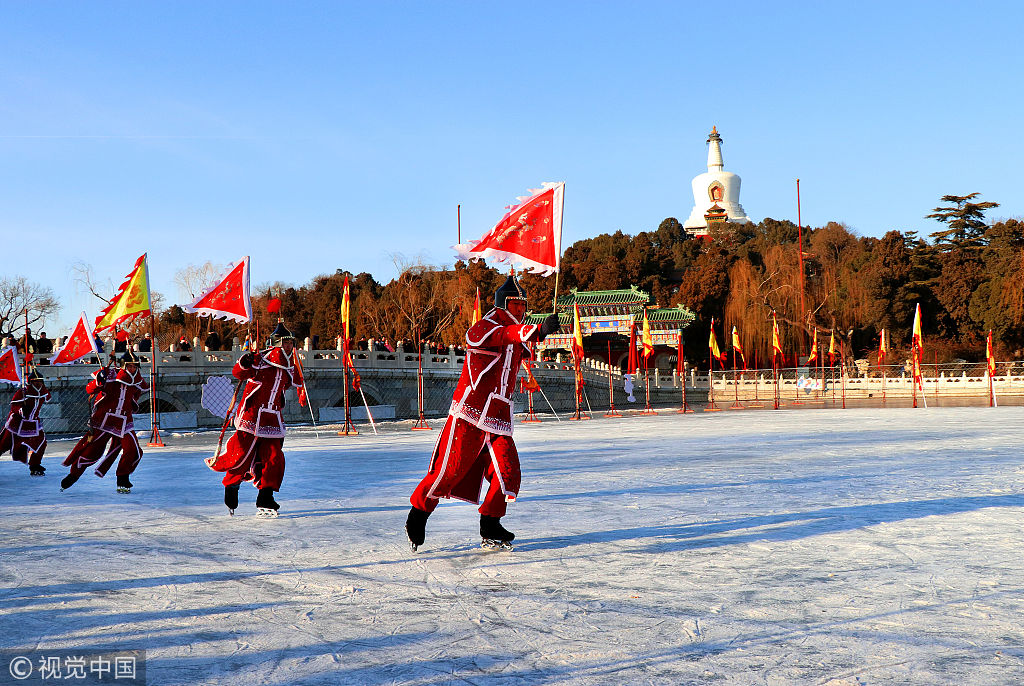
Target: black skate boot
[[494, 535], [266, 506], [231, 498], [416, 527], [123, 484], [36, 470], [68, 481]]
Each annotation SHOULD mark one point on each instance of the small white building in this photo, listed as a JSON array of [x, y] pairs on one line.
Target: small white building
[[716, 193]]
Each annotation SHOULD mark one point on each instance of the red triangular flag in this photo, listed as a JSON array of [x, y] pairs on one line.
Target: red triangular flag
[[228, 298], [528, 236], [80, 343], [10, 370]]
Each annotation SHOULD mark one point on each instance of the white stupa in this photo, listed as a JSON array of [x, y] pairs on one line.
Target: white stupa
[[716, 193]]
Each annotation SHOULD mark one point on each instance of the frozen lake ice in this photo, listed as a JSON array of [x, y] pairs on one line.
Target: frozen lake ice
[[864, 546]]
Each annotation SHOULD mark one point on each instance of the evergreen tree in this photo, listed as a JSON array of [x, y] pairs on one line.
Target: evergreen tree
[[965, 219]]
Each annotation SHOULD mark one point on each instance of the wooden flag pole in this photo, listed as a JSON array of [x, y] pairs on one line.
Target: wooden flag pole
[[154, 437], [25, 356]]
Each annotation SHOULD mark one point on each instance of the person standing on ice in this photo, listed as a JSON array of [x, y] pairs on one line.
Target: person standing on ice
[[111, 421], [476, 442], [22, 433], [254, 452]]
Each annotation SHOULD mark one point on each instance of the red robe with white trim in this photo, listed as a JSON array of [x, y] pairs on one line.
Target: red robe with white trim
[[495, 346], [253, 453], [22, 433], [114, 410], [112, 422], [272, 373], [476, 442]]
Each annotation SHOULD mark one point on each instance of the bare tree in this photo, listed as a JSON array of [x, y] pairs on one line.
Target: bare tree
[[193, 280], [419, 303], [18, 295], [86, 281]]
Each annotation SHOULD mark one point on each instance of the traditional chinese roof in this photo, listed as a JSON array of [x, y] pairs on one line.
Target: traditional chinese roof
[[660, 318], [670, 315], [632, 296]]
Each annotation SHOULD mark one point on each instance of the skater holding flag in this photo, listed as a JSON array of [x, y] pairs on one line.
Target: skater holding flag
[[476, 442], [22, 432], [254, 453], [116, 394]]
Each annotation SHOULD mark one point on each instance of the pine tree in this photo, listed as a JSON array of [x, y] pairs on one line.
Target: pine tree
[[966, 222]]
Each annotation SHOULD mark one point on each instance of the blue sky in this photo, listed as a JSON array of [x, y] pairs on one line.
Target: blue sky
[[317, 136]]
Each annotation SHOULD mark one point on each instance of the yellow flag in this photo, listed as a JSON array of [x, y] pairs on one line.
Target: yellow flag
[[645, 337], [577, 330], [832, 344], [776, 342], [477, 312], [883, 345], [713, 343], [989, 357], [131, 301], [814, 349], [918, 340], [345, 310]]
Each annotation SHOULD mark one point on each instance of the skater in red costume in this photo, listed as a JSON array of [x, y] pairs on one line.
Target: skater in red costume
[[22, 433], [117, 399], [254, 452], [476, 442]]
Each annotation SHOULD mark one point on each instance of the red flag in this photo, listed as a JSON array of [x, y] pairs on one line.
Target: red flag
[[274, 305], [228, 298], [80, 343], [680, 362], [10, 369], [633, 363], [529, 235], [529, 383], [356, 383]]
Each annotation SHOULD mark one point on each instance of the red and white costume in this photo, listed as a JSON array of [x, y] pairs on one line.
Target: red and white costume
[[111, 422], [254, 452], [476, 442], [22, 433]]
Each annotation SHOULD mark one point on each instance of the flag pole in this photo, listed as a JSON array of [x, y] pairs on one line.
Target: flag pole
[[24, 378], [561, 216], [800, 261], [775, 378], [154, 412]]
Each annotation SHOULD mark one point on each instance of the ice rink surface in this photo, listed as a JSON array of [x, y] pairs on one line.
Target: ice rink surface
[[795, 547]]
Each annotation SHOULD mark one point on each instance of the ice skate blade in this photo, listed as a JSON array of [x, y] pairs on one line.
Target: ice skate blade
[[266, 513], [36, 474], [231, 513], [494, 544], [415, 548], [123, 489]]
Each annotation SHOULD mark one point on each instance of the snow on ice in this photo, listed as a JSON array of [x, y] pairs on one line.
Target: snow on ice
[[849, 547]]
